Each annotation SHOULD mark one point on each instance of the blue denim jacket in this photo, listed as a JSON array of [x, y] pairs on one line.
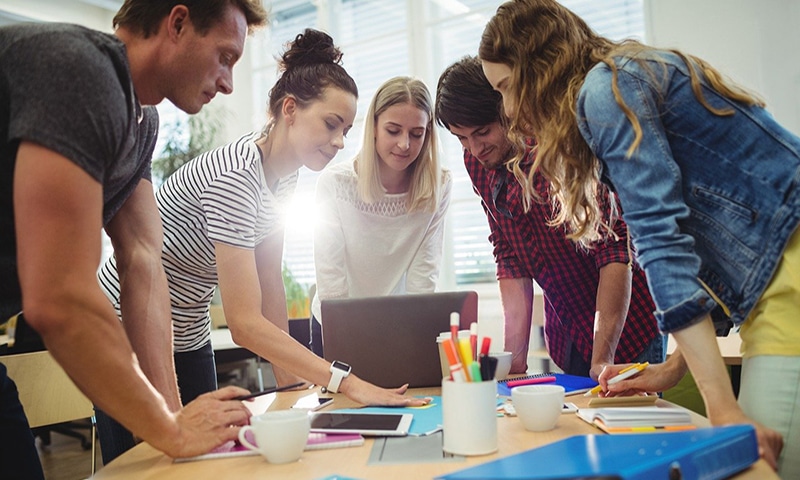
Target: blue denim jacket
[[711, 201]]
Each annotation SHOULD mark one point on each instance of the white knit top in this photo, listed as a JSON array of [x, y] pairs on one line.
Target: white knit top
[[364, 250]]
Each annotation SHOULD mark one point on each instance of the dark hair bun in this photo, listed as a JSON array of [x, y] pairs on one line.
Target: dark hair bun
[[309, 48]]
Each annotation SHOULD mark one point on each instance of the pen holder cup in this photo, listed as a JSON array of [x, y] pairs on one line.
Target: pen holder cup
[[442, 355], [469, 417]]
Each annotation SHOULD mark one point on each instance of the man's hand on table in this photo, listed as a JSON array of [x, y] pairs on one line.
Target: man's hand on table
[[207, 422]]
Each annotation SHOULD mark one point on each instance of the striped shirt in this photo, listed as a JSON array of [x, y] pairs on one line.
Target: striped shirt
[[220, 196]]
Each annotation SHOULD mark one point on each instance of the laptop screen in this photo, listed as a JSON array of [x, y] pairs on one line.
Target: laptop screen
[[391, 340]]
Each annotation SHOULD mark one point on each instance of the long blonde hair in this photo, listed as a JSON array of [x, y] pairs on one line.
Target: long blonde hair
[[550, 50], [424, 191]]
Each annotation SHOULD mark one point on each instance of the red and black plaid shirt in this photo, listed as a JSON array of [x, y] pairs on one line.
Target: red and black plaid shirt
[[526, 247]]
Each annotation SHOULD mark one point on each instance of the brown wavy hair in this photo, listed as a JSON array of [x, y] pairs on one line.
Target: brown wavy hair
[[550, 50]]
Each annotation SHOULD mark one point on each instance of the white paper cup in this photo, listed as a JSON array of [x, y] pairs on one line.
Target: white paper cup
[[443, 362], [538, 406], [280, 436], [469, 417]]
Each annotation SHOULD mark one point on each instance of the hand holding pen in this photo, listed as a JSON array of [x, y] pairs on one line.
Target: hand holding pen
[[623, 374]]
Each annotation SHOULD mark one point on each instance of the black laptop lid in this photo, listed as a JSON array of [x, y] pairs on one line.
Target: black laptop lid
[[391, 340]]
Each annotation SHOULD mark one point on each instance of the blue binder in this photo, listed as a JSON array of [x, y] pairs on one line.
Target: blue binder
[[707, 453]]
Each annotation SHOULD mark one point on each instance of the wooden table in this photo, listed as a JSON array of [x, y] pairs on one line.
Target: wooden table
[[144, 462]]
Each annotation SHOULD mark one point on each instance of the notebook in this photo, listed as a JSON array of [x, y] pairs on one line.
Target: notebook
[[316, 441], [637, 419], [632, 401], [391, 340], [707, 453], [573, 384]]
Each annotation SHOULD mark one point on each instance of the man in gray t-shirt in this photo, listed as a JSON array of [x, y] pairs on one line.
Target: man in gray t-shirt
[[75, 145]]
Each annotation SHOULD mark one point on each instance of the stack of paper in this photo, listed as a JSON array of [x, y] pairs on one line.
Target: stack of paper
[[637, 419]]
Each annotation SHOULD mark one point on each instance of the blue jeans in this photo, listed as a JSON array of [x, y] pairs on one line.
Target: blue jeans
[[18, 456], [197, 374]]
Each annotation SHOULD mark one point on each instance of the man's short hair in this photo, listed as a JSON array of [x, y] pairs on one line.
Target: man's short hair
[[464, 98], [144, 16]]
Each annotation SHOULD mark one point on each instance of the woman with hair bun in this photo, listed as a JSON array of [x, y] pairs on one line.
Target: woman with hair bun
[[223, 227]]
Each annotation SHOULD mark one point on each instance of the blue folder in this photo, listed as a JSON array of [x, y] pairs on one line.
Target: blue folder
[[571, 383], [707, 453]]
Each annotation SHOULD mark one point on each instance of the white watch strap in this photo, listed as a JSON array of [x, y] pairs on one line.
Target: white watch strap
[[336, 379]]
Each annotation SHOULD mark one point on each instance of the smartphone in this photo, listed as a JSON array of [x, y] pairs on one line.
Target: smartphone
[[312, 402]]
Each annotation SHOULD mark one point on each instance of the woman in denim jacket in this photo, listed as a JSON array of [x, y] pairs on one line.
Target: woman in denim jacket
[[709, 184]]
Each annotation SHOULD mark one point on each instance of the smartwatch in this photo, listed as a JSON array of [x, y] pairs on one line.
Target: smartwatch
[[339, 371]]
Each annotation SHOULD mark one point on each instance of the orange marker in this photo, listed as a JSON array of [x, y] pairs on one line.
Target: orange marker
[[456, 372]]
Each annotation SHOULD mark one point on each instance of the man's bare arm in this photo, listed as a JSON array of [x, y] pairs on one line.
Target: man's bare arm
[[58, 211], [516, 297], [137, 237], [613, 300]]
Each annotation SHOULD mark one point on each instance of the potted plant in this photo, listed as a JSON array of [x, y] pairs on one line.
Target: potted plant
[[297, 301]]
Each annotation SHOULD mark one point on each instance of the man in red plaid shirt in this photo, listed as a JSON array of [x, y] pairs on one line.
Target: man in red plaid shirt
[[598, 309]]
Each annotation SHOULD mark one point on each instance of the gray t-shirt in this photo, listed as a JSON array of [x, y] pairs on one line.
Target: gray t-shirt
[[68, 88]]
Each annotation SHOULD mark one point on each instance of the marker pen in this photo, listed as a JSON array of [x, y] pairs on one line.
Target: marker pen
[[456, 372], [455, 323], [473, 340]]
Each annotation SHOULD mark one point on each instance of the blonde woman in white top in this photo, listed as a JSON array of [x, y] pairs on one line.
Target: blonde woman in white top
[[380, 218]]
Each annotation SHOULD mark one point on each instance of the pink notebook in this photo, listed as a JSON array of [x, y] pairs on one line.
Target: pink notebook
[[316, 441]]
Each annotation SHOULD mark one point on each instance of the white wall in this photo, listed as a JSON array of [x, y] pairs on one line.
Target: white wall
[[754, 42]]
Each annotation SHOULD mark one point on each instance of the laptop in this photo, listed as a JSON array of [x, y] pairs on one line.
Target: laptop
[[390, 341]]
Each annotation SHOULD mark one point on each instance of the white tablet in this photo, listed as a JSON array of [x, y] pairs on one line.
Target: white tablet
[[370, 424]]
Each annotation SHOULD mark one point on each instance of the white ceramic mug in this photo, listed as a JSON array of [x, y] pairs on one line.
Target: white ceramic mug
[[280, 436], [538, 406], [503, 364]]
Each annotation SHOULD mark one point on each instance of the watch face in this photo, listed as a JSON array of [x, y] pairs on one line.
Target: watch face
[[341, 365]]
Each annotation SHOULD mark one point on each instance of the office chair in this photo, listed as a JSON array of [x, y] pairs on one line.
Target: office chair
[[47, 394]]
